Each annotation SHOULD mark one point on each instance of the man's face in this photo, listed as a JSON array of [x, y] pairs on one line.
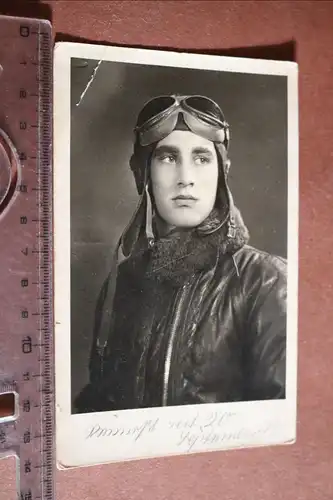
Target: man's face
[[184, 175]]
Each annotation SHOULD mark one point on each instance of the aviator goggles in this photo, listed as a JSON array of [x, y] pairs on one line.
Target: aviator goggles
[[202, 116]]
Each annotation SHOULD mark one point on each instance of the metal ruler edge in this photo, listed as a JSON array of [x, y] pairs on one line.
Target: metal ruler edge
[[30, 433]]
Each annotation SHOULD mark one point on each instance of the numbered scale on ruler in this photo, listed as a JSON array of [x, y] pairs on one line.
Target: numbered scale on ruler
[[26, 329]]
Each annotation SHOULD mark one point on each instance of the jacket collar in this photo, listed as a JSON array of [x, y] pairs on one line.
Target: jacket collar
[[181, 254], [171, 261]]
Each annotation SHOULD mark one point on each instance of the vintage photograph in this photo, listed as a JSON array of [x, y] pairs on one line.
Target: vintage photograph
[[176, 236]]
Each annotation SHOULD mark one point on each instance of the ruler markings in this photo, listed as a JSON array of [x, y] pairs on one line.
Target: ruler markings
[[34, 44]]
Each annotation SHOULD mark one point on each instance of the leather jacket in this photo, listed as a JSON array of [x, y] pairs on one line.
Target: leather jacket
[[216, 335]]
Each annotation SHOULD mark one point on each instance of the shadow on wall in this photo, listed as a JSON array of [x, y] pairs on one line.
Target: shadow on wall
[[103, 195]]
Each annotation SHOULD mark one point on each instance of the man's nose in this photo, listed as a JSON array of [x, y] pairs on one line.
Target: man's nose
[[185, 174]]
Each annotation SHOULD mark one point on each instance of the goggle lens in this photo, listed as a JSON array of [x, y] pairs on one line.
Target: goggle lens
[[158, 118]]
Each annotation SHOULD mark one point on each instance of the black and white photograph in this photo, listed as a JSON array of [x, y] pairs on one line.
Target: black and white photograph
[[176, 252]]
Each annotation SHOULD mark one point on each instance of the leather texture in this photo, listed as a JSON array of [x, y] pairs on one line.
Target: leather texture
[[218, 337]]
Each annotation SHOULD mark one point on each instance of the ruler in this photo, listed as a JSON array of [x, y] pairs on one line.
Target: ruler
[[26, 299]]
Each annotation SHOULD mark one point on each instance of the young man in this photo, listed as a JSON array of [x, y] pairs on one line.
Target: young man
[[193, 314]]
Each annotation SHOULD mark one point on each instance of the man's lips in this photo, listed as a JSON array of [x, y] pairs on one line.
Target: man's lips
[[185, 197]]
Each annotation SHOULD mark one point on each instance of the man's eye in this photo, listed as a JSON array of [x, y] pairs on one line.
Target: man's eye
[[201, 160], [167, 158]]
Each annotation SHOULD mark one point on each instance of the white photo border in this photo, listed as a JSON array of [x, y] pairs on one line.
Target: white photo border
[[96, 438]]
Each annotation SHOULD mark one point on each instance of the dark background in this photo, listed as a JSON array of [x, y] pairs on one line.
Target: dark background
[[103, 195]]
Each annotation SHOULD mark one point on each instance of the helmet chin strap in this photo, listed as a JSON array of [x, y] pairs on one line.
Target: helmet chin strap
[[149, 218], [231, 222]]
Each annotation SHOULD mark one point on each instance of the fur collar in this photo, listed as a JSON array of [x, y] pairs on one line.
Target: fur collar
[[183, 253]]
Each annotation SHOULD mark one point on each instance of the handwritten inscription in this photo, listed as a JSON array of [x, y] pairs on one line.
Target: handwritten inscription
[[200, 430], [201, 422], [136, 432], [189, 439]]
